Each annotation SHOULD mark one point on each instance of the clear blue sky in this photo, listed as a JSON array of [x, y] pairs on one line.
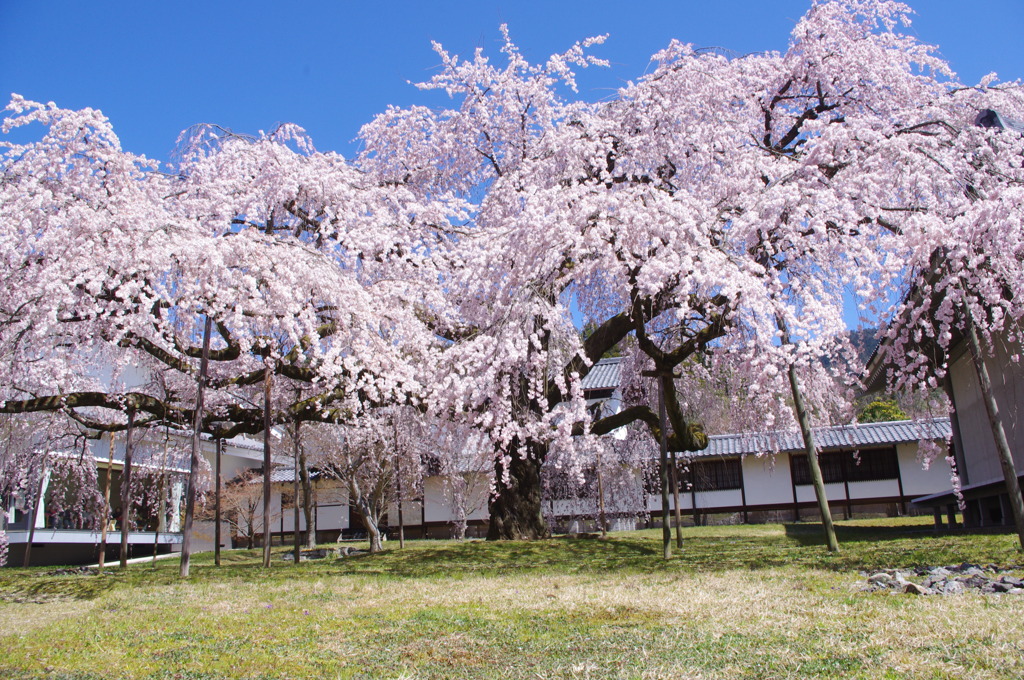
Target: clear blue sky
[[157, 67]]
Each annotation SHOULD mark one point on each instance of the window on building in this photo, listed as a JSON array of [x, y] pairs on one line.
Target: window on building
[[849, 466], [705, 475], [713, 475]]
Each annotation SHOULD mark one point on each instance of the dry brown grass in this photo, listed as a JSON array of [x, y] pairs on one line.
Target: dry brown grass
[[485, 615]]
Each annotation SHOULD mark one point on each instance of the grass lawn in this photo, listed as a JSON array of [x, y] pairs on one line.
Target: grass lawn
[[739, 602]]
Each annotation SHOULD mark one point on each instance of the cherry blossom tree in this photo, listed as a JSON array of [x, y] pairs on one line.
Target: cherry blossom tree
[[367, 460], [965, 257], [720, 211], [313, 273], [712, 207]]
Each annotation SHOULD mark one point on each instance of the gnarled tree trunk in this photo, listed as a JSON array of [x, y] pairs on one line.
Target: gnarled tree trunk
[[515, 504]]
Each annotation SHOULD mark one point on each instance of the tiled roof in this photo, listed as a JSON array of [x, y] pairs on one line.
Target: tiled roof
[[148, 457], [279, 475], [604, 375], [989, 118], [842, 437]]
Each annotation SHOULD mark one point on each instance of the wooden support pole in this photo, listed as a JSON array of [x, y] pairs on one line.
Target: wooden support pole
[[267, 464], [803, 417], [106, 507], [666, 530], [193, 472], [161, 508], [602, 518], [998, 433], [126, 489], [36, 502], [217, 481], [674, 481], [296, 534]]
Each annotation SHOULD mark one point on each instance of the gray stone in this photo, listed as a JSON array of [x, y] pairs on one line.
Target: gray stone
[[952, 588], [915, 589]]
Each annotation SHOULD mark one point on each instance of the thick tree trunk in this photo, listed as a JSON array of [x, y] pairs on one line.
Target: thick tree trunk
[[372, 531], [369, 518], [515, 504]]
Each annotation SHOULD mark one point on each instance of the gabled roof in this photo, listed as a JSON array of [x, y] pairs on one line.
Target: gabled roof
[[604, 375], [989, 119], [842, 437]]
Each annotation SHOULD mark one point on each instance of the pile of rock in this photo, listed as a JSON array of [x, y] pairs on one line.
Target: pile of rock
[[950, 580], [74, 571], [345, 551], [314, 554]]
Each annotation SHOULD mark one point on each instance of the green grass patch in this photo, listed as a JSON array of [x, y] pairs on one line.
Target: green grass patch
[[762, 601]]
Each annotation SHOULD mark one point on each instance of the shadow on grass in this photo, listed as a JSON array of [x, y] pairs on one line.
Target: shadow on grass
[[705, 549], [44, 588], [812, 533]]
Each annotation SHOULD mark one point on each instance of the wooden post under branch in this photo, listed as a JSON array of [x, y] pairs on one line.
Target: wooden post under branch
[[106, 507], [267, 464], [398, 481], [126, 489], [161, 505], [193, 471], [674, 481], [602, 518], [666, 529], [812, 449], [296, 534], [218, 453], [998, 433], [36, 503]]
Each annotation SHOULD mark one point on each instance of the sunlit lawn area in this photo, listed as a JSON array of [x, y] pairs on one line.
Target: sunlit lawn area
[[738, 602]]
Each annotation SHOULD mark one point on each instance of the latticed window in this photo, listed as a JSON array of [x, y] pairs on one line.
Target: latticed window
[[849, 466], [712, 475], [874, 464]]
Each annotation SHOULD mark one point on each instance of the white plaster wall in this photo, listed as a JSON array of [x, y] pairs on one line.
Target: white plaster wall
[[716, 499], [833, 492], [574, 506], [1008, 385], [412, 514], [880, 488], [916, 479], [767, 479], [331, 517], [438, 505]]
